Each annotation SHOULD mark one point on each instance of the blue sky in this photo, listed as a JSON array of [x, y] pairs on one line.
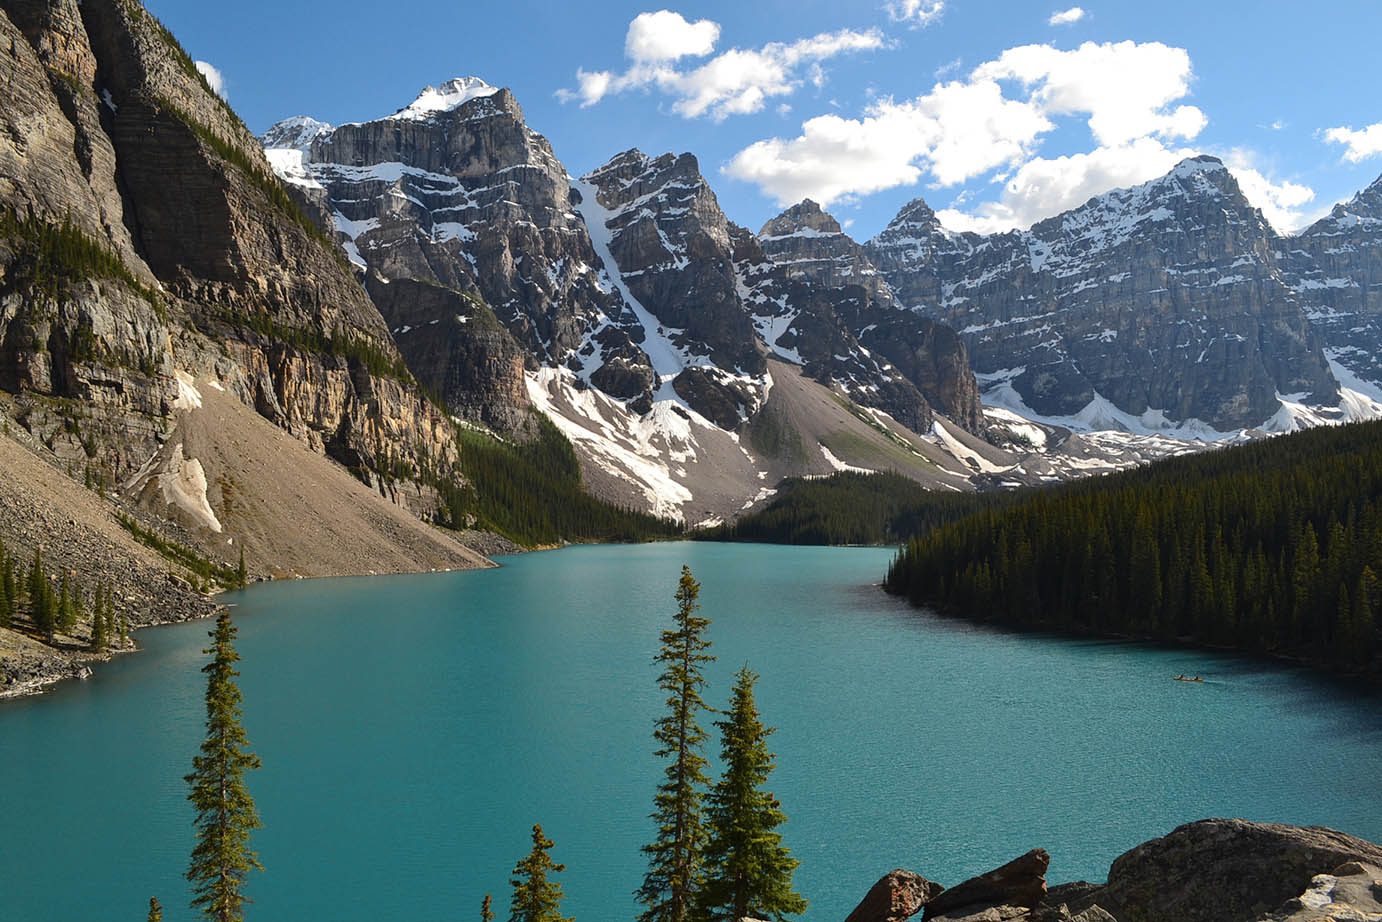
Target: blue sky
[[997, 112]]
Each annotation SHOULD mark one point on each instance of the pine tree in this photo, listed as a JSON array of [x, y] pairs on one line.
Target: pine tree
[[155, 910], [487, 909], [67, 615], [675, 858], [9, 591], [100, 636], [42, 605], [241, 577], [535, 898], [222, 859], [748, 871]]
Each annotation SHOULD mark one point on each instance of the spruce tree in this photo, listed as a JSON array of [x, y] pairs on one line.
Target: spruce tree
[[42, 604], [67, 614], [99, 638], [9, 590], [748, 870], [487, 909], [222, 859], [675, 858], [535, 897], [241, 577], [155, 910]]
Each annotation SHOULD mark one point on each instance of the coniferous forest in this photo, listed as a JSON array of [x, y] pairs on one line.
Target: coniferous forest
[[1273, 547]]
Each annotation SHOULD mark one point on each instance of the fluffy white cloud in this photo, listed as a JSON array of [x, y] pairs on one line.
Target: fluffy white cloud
[[1124, 87], [916, 12], [735, 82], [956, 131], [213, 77], [1043, 187], [1066, 17], [1360, 145], [1281, 203], [994, 120], [667, 36]]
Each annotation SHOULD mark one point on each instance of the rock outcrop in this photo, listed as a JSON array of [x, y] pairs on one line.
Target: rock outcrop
[[1225, 870], [1217, 870], [898, 895], [1167, 301], [1020, 883]]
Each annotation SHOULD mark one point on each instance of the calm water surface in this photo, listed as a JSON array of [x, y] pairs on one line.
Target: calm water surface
[[414, 728]]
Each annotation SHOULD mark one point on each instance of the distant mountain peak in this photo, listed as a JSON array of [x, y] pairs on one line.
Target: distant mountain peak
[[295, 133], [450, 95], [804, 216]]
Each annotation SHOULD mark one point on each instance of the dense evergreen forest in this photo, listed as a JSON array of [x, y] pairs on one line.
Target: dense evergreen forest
[[851, 508], [1273, 547], [532, 493]]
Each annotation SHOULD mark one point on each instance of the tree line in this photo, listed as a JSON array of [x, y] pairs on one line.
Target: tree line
[[55, 604], [717, 854], [850, 508], [1274, 547]]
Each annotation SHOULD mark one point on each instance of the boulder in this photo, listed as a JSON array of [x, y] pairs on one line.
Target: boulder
[[1019, 883], [898, 895], [1352, 892], [1225, 870]]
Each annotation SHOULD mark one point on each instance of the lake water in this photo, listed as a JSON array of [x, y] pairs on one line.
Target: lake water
[[414, 728]]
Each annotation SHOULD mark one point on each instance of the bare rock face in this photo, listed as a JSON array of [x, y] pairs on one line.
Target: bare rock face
[[898, 895], [458, 351], [1224, 870], [1165, 297], [850, 329], [1021, 883], [456, 190], [671, 243], [1335, 268], [196, 258], [1351, 893]]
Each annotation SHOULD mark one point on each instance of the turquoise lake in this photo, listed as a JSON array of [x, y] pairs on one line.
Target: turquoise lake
[[414, 728]]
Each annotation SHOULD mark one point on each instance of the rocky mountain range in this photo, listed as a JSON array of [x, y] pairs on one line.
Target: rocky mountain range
[[1171, 306]]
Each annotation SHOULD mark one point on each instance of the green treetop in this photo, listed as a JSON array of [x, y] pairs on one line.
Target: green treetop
[[675, 857], [222, 859], [748, 871], [535, 897], [155, 910]]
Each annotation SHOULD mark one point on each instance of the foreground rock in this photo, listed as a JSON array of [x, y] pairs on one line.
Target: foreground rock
[[1225, 870], [1019, 883], [898, 895], [1216, 870]]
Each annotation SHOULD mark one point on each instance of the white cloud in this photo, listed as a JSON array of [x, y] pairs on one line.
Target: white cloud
[[735, 82], [1361, 144], [1124, 87], [1281, 203], [1066, 17], [956, 131], [213, 77], [667, 36], [1044, 187], [995, 120], [916, 12]]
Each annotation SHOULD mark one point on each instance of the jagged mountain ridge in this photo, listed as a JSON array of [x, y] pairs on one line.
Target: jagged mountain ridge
[[1168, 307], [629, 285], [1166, 300], [1335, 268]]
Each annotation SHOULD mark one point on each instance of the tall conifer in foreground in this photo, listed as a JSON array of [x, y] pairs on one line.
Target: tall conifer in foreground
[[155, 910], [222, 859], [748, 871], [535, 897], [675, 857], [487, 909]]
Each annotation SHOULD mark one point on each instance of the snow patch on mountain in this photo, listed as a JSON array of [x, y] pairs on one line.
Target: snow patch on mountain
[[450, 95]]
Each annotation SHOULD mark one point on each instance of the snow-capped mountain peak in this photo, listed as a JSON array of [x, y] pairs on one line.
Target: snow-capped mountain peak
[[450, 95], [296, 133]]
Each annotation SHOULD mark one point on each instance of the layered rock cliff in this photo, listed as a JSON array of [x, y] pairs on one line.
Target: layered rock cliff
[[1166, 301]]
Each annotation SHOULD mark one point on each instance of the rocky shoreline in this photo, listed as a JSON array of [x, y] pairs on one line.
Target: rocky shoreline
[[1214, 870]]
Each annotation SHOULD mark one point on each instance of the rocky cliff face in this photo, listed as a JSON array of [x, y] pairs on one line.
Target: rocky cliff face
[[1166, 301], [1335, 268], [145, 233]]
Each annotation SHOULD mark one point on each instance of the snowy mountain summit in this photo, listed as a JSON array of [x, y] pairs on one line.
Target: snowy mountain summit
[[452, 94]]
